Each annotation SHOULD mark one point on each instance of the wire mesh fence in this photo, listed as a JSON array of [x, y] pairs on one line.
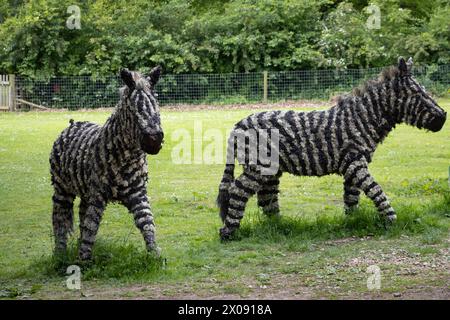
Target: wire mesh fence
[[75, 92]]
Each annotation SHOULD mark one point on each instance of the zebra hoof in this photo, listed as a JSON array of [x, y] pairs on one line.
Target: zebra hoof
[[273, 214], [391, 218], [60, 251], [225, 234], [350, 209], [85, 258], [154, 250]]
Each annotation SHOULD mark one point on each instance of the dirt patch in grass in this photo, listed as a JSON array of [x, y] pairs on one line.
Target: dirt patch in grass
[[419, 273], [290, 287], [422, 292], [270, 105], [407, 263], [283, 287], [337, 242], [237, 106]]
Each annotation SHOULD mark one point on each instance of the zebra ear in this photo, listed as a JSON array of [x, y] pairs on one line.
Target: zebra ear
[[409, 64], [154, 75], [127, 78], [402, 66]]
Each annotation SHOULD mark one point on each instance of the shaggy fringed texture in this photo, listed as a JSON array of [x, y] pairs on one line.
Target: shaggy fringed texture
[[107, 163], [340, 140]]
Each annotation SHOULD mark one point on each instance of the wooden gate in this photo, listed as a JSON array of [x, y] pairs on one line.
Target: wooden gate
[[7, 93]]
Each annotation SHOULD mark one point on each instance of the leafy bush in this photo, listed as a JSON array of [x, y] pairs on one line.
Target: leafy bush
[[217, 36]]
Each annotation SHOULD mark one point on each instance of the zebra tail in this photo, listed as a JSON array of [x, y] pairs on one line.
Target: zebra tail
[[223, 198]]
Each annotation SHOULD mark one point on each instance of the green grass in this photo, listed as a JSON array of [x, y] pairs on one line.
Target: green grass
[[412, 166]]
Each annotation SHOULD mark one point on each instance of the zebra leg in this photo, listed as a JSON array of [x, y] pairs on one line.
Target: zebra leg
[[351, 197], [240, 191], [357, 174], [143, 219], [82, 214], [89, 228], [268, 197], [62, 218]]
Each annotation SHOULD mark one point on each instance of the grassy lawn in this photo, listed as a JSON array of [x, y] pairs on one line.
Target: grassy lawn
[[313, 251]]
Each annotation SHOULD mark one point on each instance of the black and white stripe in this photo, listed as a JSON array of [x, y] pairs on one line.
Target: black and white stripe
[[107, 163], [340, 140]]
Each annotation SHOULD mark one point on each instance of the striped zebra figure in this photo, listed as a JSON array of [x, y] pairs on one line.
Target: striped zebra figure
[[340, 140], [108, 163]]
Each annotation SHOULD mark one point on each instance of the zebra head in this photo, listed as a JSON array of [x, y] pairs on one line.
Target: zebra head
[[140, 99], [416, 107]]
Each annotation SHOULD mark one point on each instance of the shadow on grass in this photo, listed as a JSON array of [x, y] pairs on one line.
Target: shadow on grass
[[428, 219], [111, 260]]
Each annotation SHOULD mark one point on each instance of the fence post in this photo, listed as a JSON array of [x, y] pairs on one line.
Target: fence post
[[12, 92], [265, 92]]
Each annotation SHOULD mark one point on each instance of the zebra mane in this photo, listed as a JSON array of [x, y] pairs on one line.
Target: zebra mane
[[387, 74]]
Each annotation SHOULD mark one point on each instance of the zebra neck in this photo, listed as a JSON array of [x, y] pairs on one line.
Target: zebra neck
[[376, 102], [118, 134]]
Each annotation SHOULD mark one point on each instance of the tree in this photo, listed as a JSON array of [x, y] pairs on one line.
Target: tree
[[199, 36]]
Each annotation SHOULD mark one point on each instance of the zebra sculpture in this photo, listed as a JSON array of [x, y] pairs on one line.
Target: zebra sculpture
[[339, 140], [108, 163]]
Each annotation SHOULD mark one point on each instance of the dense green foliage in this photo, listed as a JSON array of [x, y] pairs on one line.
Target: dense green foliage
[[199, 36]]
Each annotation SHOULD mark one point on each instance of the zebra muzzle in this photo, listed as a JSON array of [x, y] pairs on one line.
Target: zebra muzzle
[[437, 123], [152, 143]]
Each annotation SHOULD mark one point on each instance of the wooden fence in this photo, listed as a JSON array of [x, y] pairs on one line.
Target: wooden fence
[[7, 93]]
